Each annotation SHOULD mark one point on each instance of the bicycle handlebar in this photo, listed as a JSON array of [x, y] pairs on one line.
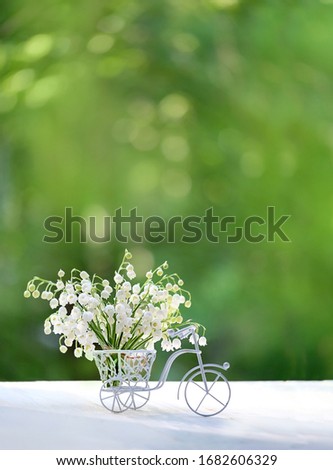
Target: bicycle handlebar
[[183, 333]]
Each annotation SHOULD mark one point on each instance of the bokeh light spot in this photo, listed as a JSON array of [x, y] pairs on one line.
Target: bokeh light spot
[[176, 183], [174, 106], [124, 129], [145, 138], [19, 81], [111, 66], [288, 163], [252, 164], [175, 148], [185, 42], [38, 46], [42, 91], [143, 109], [100, 43], [111, 24], [223, 4], [143, 177]]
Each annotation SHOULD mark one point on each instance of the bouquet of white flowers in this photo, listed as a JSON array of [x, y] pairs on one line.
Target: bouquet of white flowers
[[89, 314]]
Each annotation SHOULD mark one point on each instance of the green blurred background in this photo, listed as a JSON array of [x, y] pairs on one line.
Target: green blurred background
[[172, 107]]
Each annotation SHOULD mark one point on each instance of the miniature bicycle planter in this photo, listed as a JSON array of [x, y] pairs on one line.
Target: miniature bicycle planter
[[125, 375]]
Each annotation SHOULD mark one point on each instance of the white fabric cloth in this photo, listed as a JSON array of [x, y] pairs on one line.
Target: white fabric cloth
[[260, 415]]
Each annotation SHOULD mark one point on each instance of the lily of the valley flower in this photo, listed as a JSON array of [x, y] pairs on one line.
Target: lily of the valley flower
[[88, 313]]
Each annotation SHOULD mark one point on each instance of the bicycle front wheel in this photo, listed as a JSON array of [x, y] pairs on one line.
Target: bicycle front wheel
[[208, 395]]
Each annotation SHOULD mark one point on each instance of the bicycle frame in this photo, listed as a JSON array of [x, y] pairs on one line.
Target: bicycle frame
[[173, 357]]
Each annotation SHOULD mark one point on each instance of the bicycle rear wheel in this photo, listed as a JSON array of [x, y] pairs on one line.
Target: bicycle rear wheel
[[135, 395], [124, 396], [110, 398]]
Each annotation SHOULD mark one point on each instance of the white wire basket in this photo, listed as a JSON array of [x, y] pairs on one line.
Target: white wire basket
[[124, 366]]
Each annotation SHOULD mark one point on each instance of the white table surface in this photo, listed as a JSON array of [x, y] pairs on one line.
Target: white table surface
[[260, 415]]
